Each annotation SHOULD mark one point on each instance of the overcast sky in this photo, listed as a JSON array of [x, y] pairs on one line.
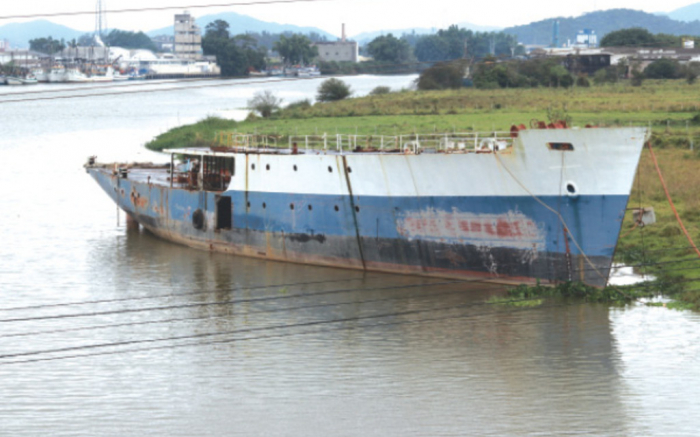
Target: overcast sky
[[360, 15]]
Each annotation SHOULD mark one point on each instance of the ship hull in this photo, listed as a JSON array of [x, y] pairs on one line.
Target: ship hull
[[529, 215], [258, 232]]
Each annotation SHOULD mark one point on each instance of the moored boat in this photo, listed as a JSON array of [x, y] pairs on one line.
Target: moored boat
[[29, 79], [40, 74], [57, 74], [13, 80], [74, 75], [531, 205]]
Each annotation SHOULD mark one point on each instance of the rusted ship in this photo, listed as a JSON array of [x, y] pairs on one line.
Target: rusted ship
[[543, 204]]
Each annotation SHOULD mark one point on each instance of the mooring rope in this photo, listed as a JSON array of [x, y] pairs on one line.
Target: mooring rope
[[670, 201]]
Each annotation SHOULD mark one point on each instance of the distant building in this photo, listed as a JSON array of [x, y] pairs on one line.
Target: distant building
[[586, 38], [4, 45], [23, 58], [188, 37], [338, 51], [165, 43], [84, 54], [578, 60]]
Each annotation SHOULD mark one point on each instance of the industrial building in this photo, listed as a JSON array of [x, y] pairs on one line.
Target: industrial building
[[188, 37], [338, 51]]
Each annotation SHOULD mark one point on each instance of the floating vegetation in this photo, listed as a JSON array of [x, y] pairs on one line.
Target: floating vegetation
[[527, 303], [585, 292], [672, 305]]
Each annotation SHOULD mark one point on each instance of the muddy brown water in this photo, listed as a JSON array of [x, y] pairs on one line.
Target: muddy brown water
[[438, 362]]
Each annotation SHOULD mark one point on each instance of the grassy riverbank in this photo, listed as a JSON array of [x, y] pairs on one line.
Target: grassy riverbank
[[670, 108]]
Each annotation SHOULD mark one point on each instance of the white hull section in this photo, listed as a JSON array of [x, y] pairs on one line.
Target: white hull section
[[603, 162]]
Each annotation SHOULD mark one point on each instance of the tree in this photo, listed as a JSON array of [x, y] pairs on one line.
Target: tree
[[449, 44], [634, 37], [689, 71], [442, 76], [47, 45], [237, 55], [332, 90], [389, 49], [265, 103], [432, 48], [380, 90], [516, 74], [129, 40], [217, 29], [637, 77], [663, 69], [295, 49]]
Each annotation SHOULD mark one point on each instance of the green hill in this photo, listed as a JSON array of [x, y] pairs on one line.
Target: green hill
[[19, 34], [602, 22]]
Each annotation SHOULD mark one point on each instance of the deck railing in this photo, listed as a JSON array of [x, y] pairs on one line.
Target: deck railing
[[410, 143]]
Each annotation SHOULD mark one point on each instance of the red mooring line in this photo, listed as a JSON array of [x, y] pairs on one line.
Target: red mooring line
[[670, 201]]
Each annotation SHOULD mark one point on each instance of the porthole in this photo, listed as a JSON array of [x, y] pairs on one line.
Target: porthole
[[264, 205], [349, 169], [295, 168], [252, 166], [571, 189], [336, 208], [267, 167], [291, 206], [330, 169], [248, 204], [310, 207], [357, 209]]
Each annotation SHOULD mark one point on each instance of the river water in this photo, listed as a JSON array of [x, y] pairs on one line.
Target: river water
[[187, 343]]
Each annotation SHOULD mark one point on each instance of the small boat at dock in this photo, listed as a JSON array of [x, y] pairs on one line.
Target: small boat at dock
[[57, 74], [74, 75], [29, 80]]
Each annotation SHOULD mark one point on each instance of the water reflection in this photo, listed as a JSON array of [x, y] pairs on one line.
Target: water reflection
[[473, 369]]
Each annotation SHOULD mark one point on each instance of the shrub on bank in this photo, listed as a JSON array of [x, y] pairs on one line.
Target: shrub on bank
[[191, 135], [332, 90]]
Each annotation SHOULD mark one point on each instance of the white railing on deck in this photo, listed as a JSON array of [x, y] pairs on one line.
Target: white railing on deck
[[409, 143]]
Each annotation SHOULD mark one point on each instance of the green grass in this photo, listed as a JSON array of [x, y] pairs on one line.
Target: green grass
[[192, 135], [668, 107], [655, 104]]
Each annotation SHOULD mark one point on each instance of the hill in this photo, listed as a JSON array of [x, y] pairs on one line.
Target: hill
[[365, 37], [19, 34], [686, 13], [243, 23], [602, 22]]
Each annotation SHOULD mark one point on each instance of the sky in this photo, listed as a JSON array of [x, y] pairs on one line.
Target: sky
[[359, 15]]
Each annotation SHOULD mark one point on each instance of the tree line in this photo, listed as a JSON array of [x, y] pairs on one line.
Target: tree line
[[445, 45], [115, 38]]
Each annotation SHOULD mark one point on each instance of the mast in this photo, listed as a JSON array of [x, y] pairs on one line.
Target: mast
[[100, 19]]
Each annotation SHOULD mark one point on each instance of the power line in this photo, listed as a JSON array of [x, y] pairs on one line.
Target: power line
[[162, 8], [274, 310], [227, 302], [162, 296], [233, 332]]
